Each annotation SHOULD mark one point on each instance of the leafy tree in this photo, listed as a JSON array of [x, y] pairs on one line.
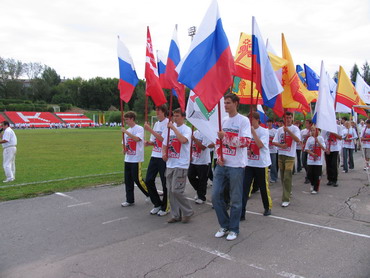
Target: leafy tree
[[33, 70], [366, 73], [354, 72], [50, 76]]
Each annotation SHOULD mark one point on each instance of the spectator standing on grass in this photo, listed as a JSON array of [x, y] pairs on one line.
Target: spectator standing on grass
[[235, 138], [9, 142], [314, 147], [256, 171], [333, 147], [286, 140], [199, 165], [176, 153], [134, 157], [156, 163], [349, 136]]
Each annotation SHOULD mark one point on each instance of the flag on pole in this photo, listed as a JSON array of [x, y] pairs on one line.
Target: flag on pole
[[153, 86], [325, 112], [293, 94], [301, 73], [161, 61], [127, 75], [198, 116], [208, 67], [363, 89], [347, 94], [263, 116], [266, 79], [312, 79], [171, 74]]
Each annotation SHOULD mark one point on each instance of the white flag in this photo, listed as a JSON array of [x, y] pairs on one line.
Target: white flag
[[325, 111], [206, 122], [362, 89]]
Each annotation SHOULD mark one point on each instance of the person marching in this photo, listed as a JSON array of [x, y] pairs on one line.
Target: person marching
[[156, 163], [305, 133], [333, 147], [286, 140], [176, 153], [256, 171], [235, 138], [273, 152], [9, 142], [134, 156], [365, 141], [314, 147], [349, 137], [199, 165]]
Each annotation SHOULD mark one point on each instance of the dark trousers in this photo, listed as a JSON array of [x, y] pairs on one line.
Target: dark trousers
[[259, 177], [299, 160], [348, 159], [210, 168], [157, 165], [314, 173], [304, 161], [331, 160], [133, 175], [198, 176]]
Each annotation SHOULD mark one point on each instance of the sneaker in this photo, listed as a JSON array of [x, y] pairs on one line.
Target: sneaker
[[344, 171], [8, 180], [221, 232], [335, 184], [285, 204], [195, 197], [173, 220], [231, 236], [155, 210], [306, 181], [162, 213], [313, 192], [199, 201], [267, 212], [127, 204], [186, 219], [311, 188], [330, 183]]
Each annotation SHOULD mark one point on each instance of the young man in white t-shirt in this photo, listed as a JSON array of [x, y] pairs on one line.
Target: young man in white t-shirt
[[286, 140], [199, 165], [156, 163], [9, 142], [176, 153], [256, 171], [314, 147], [231, 150], [273, 152], [134, 156]]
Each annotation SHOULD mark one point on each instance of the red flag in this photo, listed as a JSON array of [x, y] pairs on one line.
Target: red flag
[[153, 87]]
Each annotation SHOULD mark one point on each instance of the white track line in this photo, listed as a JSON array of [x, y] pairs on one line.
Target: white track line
[[65, 196], [77, 205], [115, 220]]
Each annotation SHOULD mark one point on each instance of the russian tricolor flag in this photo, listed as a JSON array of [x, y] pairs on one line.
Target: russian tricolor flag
[[208, 67], [161, 61], [263, 116], [127, 74]]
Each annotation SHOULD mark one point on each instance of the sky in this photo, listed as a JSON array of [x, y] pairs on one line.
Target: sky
[[78, 38]]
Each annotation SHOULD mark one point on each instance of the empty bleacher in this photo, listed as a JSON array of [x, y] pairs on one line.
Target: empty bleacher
[[33, 119], [75, 118]]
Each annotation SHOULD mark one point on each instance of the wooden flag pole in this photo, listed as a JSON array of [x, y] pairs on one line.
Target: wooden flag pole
[[220, 129], [122, 124], [169, 119]]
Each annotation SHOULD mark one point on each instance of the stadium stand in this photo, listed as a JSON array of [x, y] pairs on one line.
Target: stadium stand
[[2, 118], [75, 118], [33, 119]]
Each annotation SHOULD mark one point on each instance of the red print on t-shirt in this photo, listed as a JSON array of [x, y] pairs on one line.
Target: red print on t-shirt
[[157, 146], [286, 139], [130, 146], [196, 150], [253, 151], [227, 149], [174, 148]]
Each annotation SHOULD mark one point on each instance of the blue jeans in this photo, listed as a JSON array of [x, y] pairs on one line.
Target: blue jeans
[[235, 178], [348, 159]]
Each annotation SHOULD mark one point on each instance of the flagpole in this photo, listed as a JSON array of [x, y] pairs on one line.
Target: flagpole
[[220, 129], [169, 119], [252, 68], [122, 124]]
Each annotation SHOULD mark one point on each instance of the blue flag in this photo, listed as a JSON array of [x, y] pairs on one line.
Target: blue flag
[[312, 79]]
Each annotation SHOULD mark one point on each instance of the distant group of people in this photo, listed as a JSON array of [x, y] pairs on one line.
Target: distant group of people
[[248, 157]]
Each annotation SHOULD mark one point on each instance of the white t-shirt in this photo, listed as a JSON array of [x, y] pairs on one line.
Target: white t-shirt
[[333, 143], [305, 133], [352, 135], [315, 148], [365, 134], [280, 138], [272, 148], [160, 128], [259, 157], [178, 154], [134, 150], [199, 156], [9, 136], [236, 129]]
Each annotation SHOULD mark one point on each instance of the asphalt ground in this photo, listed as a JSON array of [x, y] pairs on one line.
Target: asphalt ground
[[86, 233]]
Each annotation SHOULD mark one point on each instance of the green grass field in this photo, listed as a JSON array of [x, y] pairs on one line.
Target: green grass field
[[49, 161]]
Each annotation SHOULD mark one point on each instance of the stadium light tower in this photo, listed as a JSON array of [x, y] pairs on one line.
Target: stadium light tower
[[191, 31]]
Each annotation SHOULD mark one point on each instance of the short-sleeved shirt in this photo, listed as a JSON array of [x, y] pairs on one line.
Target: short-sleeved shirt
[[235, 128], [272, 148], [283, 137], [305, 133], [365, 134], [352, 135], [160, 128], [9, 136], [314, 147], [199, 156], [332, 142], [259, 157], [134, 150], [178, 154]]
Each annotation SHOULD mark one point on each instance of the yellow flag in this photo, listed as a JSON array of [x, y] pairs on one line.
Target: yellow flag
[[277, 62]]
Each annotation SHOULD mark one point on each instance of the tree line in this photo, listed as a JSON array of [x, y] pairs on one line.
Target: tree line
[[44, 85]]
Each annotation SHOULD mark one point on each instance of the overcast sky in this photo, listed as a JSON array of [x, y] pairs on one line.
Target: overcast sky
[[78, 37]]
